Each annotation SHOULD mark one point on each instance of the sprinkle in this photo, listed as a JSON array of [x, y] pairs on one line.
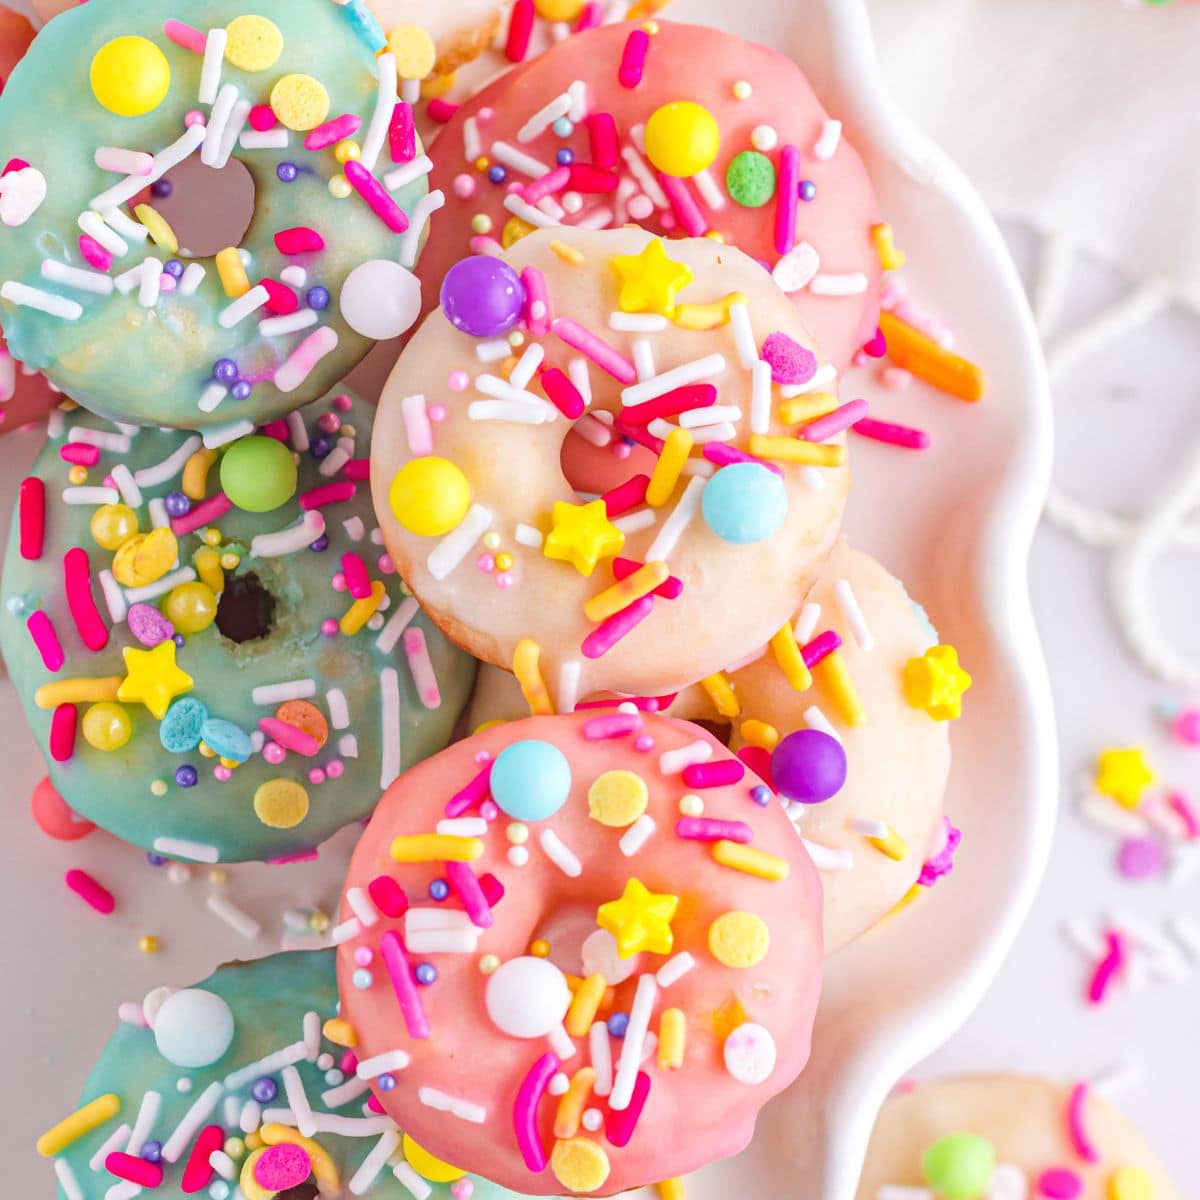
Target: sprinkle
[[233, 314], [381, 117], [361, 611], [210, 72], [41, 630], [32, 518], [893, 434], [693, 372], [708, 829], [529, 676], [389, 723], [674, 969], [280, 693], [63, 726], [1076, 1126], [790, 660], [915, 352], [560, 854], [77, 582], [598, 351], [67, 1179], [391, 950], [750, 861], [831, 424], [76, 691], [680, 517], [525, 1122], [852, 283], [290, 540], [787, 449], [516, 46], [95, 282], [672, 1039], [410, 172], [605, 636], [164, 161], [31, 297], [787, 199], [423, 210], [433, 847], [827, 144], [834, 676], [721, 773], [304, 359], [568, 684], [416, 652], [193, 277], [93, 226], [848, 603], [721, 692], [171, 847], [633, 59], [192, 1120], [267, 139], [633, 1043], [236, 918], [80, 1123], [537, 315], [396, 624]]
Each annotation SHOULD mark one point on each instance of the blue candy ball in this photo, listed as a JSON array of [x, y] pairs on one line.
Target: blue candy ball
[[618, 1023], [531, 780], [744, 503]]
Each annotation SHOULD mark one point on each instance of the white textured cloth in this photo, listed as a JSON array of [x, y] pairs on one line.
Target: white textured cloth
[[1078, 116]]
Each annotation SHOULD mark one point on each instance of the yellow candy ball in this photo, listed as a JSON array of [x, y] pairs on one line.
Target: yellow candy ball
[[504, 561], [558, 10], [77, 475], [191, 607], [428, 1166], [107, 726], [254, 43], [617, 798], [347, 151], [540, 948], [130, 76], [429, 496], [300, 102], [682, 139], [281, 803], [212, 536], [481, 223], [113, 525], [514, 230], [148, 944], [339, 187], [414, 50], [489, 964], [739, 939], [1129, 1183]]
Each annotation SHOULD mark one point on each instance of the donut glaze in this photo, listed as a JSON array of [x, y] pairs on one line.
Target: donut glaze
[[461, 29], [734, 596], [836, 293], [279, 1003], [342, 681], [1028, 1121], [162, 347], [558, 874]]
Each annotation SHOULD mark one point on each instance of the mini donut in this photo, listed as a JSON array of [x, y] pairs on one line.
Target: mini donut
[[97, 292], [186, 635], [461, 29], [683, 129], [505, 885], [243, 1084], [1017, 1136], [734, 540]]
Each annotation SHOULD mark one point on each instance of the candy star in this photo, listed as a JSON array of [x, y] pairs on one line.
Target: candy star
[[935, 682], [1124, 775], [582, 534], [153, 678], [639, 920], [650, 280]]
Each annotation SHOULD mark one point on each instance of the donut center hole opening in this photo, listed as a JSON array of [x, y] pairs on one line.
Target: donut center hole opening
[[565, 929], [302, 1191], [207, 209], [246, 610], [595, 458]]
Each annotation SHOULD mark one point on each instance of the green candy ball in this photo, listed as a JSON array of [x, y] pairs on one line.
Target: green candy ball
[[258, 474], [960, 1166], [750, 179]]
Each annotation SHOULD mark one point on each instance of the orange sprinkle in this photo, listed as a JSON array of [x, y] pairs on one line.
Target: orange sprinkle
[[573, 1102], [529, 675], [948, 372], [623, 593], [584, 1006]]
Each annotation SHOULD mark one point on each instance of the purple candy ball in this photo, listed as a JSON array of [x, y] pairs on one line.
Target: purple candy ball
[[161, 188], [174, 268], [1139, 857], [241, 390], [321, 544], [808, 766], [287, 172], [225, 370], [177, 504], [320, 448], [483, 296], [152, 1152], [264, 1089], [186, 776]]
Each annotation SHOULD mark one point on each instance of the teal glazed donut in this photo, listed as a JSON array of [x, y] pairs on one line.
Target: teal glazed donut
[[201, 677], [94, 288], [219, 1074]]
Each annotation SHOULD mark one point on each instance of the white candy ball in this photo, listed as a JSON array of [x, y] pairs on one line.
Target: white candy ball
[[193, 1028], [380, 299], [600, 957], [527, 997], [749, 1053]]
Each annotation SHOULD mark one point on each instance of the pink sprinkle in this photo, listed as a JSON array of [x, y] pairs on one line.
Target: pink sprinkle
[[300, 240], [134, 1169], [822, 646], [440, 110], [94, 254], [790, 362], [600, 729], [464, 882], [602, 139], [474, 793], [416, 651], [525, 1115], [77, 581], [1180, 804], [492, 888], [1076, 1126], [537, 302], [284, 860], [282, 300], [329, 628], [1060, 1183], [713, 774], [377, 196], [591, 17], [337, 492], [788, 198], [289, 736], [549, 184], [349, 1060], [563, 394], [335, 768], [79, 454], [387, 896], [184, 35], [684, 205], [830, 425], [262, 118], [62, 732], [893, 435], [606, 635], [520, 30], [357, 469], [625, 496], [1186, 726], [357, 579], [595, 348], [876, 345], [1107, 969], [391, 949], [723, 454], [1139, 857], [347, 125], [41, 629], [708, 829], [671, 589], [203, 513], [375, 1104], [342, 402], [485, 245], [402, 133], [592, 180], [619, 1126], [672, 403], [282, 1166], [633, 59], [93, 893], [464, 186]]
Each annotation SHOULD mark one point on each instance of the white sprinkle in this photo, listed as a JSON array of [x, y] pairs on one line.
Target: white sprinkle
[[825, 377], [115, 443], [508, 410], [743, 335], [760, 398], [31, 297], [797, 268], [364, 1178], [826, 858], [381, 1064], [636, 322], [294, 276], [251, 1116], [125, 225], [852, 283], [494, 350], [714, 414], [397, 623], [560, 854], [679, 519], [265, 139], [187, 1128], [95, 282], [335, 461], [456, 545], [223, 1164], [150, 282], [311, 1026], [348, 746], [389, 721], [236, 312], [1101, 811], [544, 118], [347, 931], [472, 142], [361, 906], [686, 373], [526, 535], [411, 1181], [92, 223], [236, 918], [160, 587], [127, 281], [896, 1192], [339, 710], [632, 1045], [673, 762], [125, 1190], [848, 603], [418, 219], [463, 827], [568, 685], [218, 122], [297, 1098], [280, 693], [291, 540], [123, 162], [578, 91], [115, 1141], [870, 827], [221, 435], [408, 172], [643, 359], [90, 495], [192, 278], [645, 177], [147, 1115], [429, 918], [463, 1109], [210, 70], [806, 622], [710, 193], [527, 212], [814, 718], [273, 1062], [159, 517], [637, 835], [674, 969], [170, 466], [580, 376], [827, 143], [181, 848], [305, 357], [303, 318], [165, 160], [338, 1096], [527, 365], [519, 160], [385, 104]]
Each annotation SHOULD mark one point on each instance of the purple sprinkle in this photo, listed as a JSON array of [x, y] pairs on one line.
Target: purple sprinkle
[[174, 268], [241, 390], [321, 544], [426, 974], [320, 448], [155, 860], [179, 640], [148, 625], [808, 190], [761, 794], [565, 157], [439, 890], [941, 863], [790, 362], [618, 1023], [497, 174], [385, 1082], [161, 188], [317, 297], [1140, 857], [225, 370]]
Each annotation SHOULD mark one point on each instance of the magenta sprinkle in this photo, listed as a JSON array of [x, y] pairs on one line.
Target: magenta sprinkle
[[941, 863], [903, 436], [830, 425], [678, 400], [277, 429], [473, 794], [525, 1123], [641, 703], [622, 568], [684, 205], [1182, 806], [201, 514], [492, 889], [41, 630], [602, 139], [759, 761], [464, 881], [79, 454], [1077, 1127], [787, 199], [626, 496], [641, 436], [329, 493], [537, 302], [347, 125], [441, 110], [605, 636], [357, 579], [822, 646], [300, 240], [375, 1104], [94, 254], [592, 180], [564, 395], [184, 35], [633, 59], [1060, 1183], [1107, 969], [709, 829], [790, 362], [550, 184], [713, 774], [600, 729], [591, 17], [391, 949], [619, 1126], [1141, 857], [387, 896], [520, 30], [724, 455], [357, 469], [402, 133], [378, 198]]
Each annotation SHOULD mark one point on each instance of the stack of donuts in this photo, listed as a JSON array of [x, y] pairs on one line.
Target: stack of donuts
[[581, 938]]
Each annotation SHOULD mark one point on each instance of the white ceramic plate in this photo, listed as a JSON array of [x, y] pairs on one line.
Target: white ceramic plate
[[955, 522]]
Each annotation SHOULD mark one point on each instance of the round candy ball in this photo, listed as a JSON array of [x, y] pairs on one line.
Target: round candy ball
[[130, 76], [483, 296], [744, 503], [527, 997], [258, 474], [429, 496], [191, 607], [960, 1166], [682, 139], [113, 525], [380, 299], [808, 766], [530, 780], [193, 1028], [107, 726], [750, 179]]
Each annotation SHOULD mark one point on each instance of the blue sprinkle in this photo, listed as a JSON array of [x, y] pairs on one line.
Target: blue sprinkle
[[439, 889], [761, 794], [179, 730], [618, 1023], [363, 22]]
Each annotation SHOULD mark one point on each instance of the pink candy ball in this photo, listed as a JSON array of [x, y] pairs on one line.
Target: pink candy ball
[[316, 776], [339, 582], [644, 743], [462, 1189], [329, 423], [387, 565], [486, 563], [457, 382], [640, 207], [489, 810], [464, 186], [342, 402], [437, 412], [274, 753], [222, 774], [505, 579], [329, 627], [364, 956], [262, 118], [195, 117], [335, 769], [1186, 726]]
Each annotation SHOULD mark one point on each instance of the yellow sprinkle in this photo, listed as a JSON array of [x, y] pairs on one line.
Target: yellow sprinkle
[[801, 409], [672, 1039], [208, 566], [606, 1001], [1129, 1183], [789, 659], [161, 233], [323, 1167], [361, 611], [834, 676], [884, 241], [194, 482], [904, 901], [647, 8], [739, 939], [617, 798], [672, 1189], [82, 1121], [720, 692], [788, 449], [760, 734], [579, 1164], [232, 271], [340, 1032], [300, 102], [254, 43], [669, 467], [435, 847], [633, 587], [77, 691], [281, 803], [584, 1006], [429, 1166], [707, 316], [574, 1101], [893, 845], [911, 349], [750, 861], [568, 253], [514, 230], [414, 50], [529, 675]]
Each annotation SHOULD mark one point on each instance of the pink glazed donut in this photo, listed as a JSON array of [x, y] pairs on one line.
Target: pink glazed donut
[[579, 953]]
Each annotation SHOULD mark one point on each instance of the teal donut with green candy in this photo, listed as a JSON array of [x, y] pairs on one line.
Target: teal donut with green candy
[[95, 289], [211, 645], [243, 1085]]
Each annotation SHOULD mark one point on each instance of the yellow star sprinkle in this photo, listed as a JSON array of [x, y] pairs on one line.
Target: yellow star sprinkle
[[582, 534], [1124, 775], [153, 678], [935, 682], [639, 920], [650, 280]]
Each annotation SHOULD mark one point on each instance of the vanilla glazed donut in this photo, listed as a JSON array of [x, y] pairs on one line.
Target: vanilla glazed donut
[[591, 946], [98, 293], [686, 130], [510, 560], [213, 652], [243, 1085], [1006, 1137]]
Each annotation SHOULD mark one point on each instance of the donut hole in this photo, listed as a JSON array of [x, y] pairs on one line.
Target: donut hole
[[246, 610], [207, 209], [592, 469], [564, 929], [302, 1191]]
